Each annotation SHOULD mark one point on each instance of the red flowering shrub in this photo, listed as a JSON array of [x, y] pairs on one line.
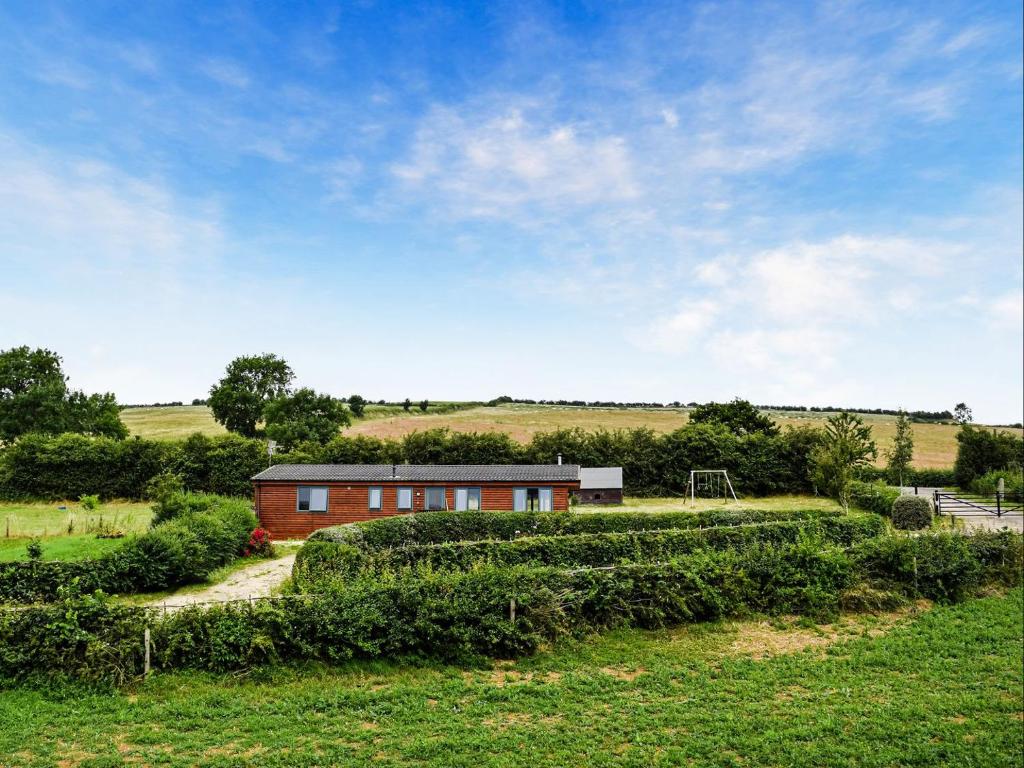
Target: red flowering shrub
[[259, 544]]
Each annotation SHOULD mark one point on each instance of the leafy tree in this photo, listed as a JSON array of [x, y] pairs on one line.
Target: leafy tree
[[424, 404], [34, 397], [249, 384], [980, 451], [901, 452], [739, 416], [845, 447], [406, 404], [357, 405], [304, 415], [962, 414]]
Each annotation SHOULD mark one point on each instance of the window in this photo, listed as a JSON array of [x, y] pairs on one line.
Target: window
[[467, 499], [404, 498], [376, 498], [312, 499], [435, 498], [532, 499]]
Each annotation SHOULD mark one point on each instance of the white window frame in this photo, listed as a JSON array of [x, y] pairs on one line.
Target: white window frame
[[309, 510], [398, 497], [435, 489], [380, 498], [463, 504]]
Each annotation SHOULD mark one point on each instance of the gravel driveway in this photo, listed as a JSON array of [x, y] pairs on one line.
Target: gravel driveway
[[258, 580]]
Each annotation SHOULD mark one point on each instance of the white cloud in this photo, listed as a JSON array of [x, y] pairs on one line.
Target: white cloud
[[494, 165], [85, 216], [225, 72], [681, 330], [1007, 311]]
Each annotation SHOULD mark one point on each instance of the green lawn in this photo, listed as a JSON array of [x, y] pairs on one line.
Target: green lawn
[[679, 504], [25, 519], [938, 688], [60, 547]]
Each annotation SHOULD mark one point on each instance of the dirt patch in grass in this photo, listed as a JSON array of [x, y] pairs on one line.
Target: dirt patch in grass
[[765, 639], [627, 675], [502, 677]]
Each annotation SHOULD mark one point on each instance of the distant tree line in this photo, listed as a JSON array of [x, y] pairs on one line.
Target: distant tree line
[[914, 415]]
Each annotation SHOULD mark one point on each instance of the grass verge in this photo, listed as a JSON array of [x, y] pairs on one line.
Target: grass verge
[[939, 687]]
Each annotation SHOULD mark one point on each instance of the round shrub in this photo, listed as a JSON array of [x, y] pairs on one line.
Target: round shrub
[[912, 513]]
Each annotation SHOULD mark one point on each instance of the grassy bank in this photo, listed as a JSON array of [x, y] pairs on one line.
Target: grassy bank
[[47, 519], [939, 687]]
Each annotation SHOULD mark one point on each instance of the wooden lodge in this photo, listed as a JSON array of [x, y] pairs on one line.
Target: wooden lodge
[[293, 500]]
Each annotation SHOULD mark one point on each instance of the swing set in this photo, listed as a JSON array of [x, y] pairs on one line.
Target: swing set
[[710, 483]]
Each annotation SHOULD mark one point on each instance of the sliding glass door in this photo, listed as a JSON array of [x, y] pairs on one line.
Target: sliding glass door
[[532, 499]]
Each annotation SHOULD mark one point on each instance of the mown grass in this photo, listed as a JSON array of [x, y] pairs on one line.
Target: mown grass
[[59, 547], [942, 687], [680, 504], [26, 519]]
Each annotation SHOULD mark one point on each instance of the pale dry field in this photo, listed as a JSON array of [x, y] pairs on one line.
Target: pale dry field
[[934, 444]]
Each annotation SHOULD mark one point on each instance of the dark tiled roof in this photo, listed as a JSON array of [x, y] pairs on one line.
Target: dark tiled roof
[[429, 473]]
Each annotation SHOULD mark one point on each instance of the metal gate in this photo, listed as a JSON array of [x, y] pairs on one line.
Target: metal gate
[[967, 504]]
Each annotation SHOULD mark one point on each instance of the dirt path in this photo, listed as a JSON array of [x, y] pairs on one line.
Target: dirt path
[[257, 580]]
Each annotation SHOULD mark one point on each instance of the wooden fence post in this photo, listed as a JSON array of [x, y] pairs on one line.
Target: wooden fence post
[[512, 609], [145, 638]]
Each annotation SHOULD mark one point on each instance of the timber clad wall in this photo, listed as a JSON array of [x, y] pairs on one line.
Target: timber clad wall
[[348, 502]]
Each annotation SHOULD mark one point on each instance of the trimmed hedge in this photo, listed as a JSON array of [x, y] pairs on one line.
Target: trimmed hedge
[[320, 561], [874, 497], [466, 614], [441, 527], [69, 466], [180, 551], [924, 478], [912, 513]]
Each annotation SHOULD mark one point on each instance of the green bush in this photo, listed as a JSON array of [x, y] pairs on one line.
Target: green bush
[[940, 566], [461, 615], [441, 527], [988, 484], [874, 497], [912, 513], [179, 551], [980, 451], [320, 560]]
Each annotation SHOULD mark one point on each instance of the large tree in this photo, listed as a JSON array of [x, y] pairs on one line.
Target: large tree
[[738, 416], [249, 384], [357, 404], [962, 414], [901, 452], [845, 447], [34, 397], [305, 415]]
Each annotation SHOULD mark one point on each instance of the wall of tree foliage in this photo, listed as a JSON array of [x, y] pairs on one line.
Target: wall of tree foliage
[[67, 466]]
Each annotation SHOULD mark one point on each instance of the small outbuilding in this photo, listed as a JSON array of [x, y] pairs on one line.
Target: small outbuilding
[[600, 485]]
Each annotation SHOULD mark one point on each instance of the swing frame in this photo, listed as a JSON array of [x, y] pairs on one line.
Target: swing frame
[[710, 477]]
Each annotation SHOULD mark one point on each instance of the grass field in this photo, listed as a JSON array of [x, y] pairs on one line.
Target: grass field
[[932, 688], [67, 533], [678, 504], [935, 444]]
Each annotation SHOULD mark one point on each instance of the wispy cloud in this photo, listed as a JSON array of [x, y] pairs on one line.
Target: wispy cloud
[[225, 72], [493, 164]]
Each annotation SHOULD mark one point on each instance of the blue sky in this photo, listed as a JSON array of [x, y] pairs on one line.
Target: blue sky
[[793, 203]]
